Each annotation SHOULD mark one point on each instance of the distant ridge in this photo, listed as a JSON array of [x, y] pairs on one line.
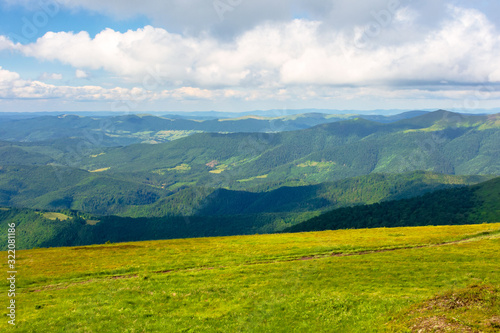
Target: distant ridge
[[131, 128]]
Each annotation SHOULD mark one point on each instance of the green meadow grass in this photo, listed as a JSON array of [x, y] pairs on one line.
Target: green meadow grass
[[332, 281], [55, 216]]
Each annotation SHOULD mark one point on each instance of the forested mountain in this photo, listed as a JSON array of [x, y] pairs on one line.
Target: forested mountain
[[66, 228], [468, 205], [48, 187], [441, 142], [352, 191], [465, 205], [239, 183], [128, 129]]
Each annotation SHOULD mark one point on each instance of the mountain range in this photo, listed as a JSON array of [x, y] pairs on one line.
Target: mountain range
[[128, 129], [230, 176], [453, 206]]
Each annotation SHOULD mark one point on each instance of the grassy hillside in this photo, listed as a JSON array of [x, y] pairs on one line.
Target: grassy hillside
[[475, 204], [342, 281]]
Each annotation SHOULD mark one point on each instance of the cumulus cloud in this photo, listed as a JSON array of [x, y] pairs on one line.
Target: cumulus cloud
[[394, 49], [6, 43], [50, 76], [465, 48], [12, 86], [80, 74]]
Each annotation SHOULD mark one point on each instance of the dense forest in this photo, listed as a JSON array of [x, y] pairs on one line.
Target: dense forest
[[467, 205]]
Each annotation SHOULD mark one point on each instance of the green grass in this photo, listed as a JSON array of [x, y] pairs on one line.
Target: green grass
[[319, 165], [56, 216], [182, 167], [267, 283], [251, 178]]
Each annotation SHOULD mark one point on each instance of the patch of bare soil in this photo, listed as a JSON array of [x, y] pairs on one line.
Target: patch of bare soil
[[475, 295], [439, 324], [466, 310]]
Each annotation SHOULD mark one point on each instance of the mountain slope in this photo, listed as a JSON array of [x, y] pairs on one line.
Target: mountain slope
[[440, 142], [360, 190], [224, 214], [474, 204], [49, 187]]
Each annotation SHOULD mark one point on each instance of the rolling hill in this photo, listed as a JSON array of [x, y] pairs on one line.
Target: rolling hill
[[128, 129], [47, 187], [242, 183], [352, 191]]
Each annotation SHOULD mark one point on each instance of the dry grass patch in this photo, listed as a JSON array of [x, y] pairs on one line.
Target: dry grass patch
[[56, 216], [100, 170], [472, 309], [439, 324]]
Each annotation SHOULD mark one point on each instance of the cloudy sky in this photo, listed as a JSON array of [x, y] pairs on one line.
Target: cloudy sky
[[239, 55]]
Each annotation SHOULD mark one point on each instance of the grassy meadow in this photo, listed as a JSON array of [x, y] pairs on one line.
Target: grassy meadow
[[368, 280]]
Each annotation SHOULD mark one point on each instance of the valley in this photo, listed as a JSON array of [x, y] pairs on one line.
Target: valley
[[221, 184]]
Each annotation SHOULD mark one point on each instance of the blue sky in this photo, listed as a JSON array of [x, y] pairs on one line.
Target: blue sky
[[237, 55]]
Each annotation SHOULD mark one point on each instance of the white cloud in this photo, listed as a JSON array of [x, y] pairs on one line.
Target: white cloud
[[13, 87], [464, 49], [278, 60], [7, 77], [80, 74], [194, 16], [50, 76], [6, 44]]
